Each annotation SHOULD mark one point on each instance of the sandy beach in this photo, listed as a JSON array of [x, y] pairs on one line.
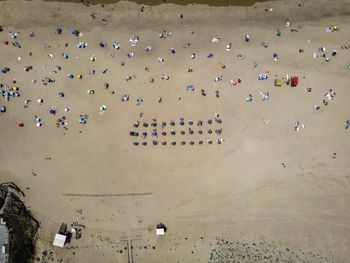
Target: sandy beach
[[272, 170]]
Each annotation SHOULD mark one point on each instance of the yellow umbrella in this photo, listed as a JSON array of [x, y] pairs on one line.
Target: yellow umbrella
[[221, 65]]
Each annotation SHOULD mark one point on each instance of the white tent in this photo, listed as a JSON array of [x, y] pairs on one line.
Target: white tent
[[59, 240], [160, 231]]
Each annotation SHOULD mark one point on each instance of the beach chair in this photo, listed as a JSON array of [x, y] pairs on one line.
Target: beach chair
[[278, 82]]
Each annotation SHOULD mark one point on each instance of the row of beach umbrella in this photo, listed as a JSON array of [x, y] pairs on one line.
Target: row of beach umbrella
[[181, 122], [182, 142], [156, 133]]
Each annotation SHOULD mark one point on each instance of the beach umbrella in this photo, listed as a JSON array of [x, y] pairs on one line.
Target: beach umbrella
[[221, 65], [53, 110], [116, 45], [93, 58], [59, 30], [154, 133], [132, 133], [148, 48]]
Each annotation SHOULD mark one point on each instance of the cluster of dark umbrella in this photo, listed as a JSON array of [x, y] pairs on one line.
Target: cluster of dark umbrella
[[159, 132]]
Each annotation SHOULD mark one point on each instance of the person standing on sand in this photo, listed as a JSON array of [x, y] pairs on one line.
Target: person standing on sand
[[347, 124]]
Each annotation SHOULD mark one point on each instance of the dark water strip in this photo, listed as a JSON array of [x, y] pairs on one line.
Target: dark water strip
[[179, 2], [107, 195]]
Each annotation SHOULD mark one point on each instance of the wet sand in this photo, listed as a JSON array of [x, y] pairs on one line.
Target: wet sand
[[267, 184], [178, 2]]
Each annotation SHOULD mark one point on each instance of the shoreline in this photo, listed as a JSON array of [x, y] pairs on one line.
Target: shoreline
[[155, 17], [214, 3]]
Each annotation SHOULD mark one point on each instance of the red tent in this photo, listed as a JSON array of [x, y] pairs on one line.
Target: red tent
[[295, 80]]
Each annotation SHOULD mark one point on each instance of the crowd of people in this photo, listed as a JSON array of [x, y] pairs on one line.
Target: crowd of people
[[11, 91]]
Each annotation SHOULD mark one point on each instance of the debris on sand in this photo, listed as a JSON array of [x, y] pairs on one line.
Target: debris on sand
[[261, 251]]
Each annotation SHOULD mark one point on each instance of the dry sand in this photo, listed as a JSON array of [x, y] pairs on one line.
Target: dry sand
[[238, 191]]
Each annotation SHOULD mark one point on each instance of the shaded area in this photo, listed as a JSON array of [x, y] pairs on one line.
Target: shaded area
[[2, 201], [20, 222]]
